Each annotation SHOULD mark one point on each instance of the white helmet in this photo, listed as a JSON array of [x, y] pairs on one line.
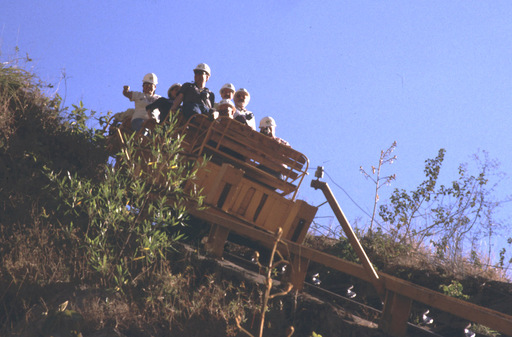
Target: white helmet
[[227, 86], [150, 78], [204, 67], [228, 102], [267, 121], [244, 91]]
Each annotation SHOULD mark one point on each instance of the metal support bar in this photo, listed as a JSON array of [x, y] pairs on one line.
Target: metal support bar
[[374, 277]]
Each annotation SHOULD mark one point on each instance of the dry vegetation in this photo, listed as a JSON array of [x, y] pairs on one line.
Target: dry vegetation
[[48, 239], [66, 234]]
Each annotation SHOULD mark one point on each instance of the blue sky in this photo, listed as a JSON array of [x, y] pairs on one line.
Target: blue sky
[[343, 79]]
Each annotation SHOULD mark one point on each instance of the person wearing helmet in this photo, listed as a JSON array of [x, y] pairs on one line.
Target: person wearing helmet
[[268, 128], [227, 91], [226, 108], [164, 104], [242, 98], [142, 99], [196, 98]]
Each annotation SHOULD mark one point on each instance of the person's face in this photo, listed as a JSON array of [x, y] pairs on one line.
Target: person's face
[[226, 110], [200, 77], [148, 88], [174, 91], [227, 93], [267, 131], [241, 99]]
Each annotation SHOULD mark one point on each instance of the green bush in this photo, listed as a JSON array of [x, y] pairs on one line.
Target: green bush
[[127, 218], [68, 215], [454, 289]]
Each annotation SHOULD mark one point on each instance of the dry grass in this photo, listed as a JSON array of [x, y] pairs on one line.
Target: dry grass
[[389, 255], [36, 278], [43, 262]]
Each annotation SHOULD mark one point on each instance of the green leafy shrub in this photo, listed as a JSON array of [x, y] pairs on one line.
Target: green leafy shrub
[[36, 133], [448, 218], [454, 289], [67, 216], [127, 218]]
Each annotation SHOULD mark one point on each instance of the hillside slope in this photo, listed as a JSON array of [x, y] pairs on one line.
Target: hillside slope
[[133, 283]]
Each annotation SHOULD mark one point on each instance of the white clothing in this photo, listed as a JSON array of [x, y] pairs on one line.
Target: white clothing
[[141, 101], [251, 122]]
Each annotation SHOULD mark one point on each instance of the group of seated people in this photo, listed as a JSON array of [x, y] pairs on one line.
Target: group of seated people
[[193, 98]]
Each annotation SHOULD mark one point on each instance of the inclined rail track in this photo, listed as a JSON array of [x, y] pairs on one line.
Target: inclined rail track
[[356, 308], [399, 293]]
